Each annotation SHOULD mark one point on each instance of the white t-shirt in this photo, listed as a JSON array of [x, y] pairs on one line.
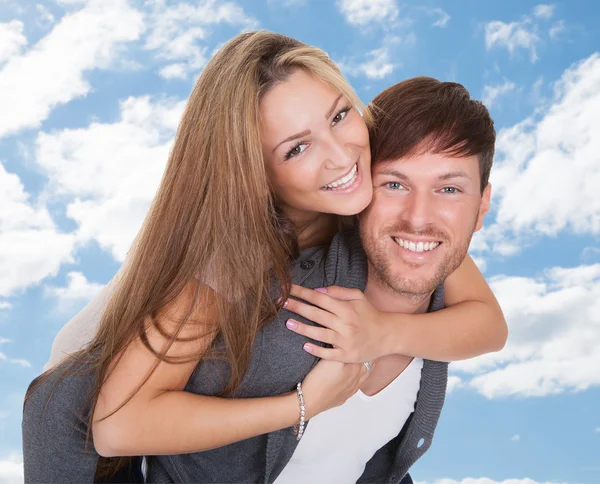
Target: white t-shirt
[[338, 443]]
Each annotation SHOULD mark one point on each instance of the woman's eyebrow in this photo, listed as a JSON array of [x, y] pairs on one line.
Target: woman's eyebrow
[[330, 112], [306, 132]]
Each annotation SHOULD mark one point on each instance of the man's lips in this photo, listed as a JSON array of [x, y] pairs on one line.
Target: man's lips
[[417, 245]]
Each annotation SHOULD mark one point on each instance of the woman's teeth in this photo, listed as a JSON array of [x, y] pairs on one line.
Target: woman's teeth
[[345, 181], [416, 247]]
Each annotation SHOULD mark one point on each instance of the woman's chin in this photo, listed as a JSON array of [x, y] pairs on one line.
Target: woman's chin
[[353, 205]]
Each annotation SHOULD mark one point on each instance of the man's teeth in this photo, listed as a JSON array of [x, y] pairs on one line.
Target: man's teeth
[[345, 181], [416, 247]]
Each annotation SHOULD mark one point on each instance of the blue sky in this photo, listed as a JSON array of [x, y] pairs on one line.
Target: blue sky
[[90, 96]]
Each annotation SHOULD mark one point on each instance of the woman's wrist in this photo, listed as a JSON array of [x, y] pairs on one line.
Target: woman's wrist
[[392, 340]]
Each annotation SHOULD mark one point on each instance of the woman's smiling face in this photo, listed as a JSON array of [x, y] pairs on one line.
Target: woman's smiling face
[[316, 148]]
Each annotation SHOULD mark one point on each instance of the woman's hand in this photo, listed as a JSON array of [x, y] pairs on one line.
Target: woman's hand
[[330, 383], [356, 329]]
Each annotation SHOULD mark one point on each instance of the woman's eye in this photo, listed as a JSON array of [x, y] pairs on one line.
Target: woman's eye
[[296, 150], [341, 115]]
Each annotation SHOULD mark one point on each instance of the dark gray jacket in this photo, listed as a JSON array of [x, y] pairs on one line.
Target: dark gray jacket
[[53, 445]]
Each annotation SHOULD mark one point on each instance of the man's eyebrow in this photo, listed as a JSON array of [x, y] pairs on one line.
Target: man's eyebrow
[[454, 174], [330, 112], [444, 177], [392, 172], [306, 132]]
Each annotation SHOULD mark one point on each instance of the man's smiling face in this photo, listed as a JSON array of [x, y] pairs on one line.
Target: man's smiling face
[[419, 225]]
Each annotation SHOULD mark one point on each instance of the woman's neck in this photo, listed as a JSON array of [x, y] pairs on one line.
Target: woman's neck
[[314, 229]]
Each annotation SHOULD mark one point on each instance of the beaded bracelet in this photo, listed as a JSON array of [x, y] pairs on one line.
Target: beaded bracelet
[[299, 427]]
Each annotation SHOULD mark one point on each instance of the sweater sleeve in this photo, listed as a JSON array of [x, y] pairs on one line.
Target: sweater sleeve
[[54, 430]]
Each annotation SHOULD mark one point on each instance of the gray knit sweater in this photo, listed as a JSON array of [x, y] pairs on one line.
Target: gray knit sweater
[[54, 444]]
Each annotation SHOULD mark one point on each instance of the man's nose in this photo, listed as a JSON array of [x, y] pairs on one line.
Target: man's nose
[[338, 154], [418, 209]]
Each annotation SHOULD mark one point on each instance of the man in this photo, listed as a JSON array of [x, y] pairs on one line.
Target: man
[[432, 149], [432, 152]]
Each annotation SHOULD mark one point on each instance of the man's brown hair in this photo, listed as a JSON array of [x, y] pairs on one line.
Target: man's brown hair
[[424, 115]]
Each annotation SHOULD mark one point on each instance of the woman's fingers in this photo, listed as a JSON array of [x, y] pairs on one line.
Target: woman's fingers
[[341, 293], [323, 335], [312, 313], [314, 297], [331, 354], [363, 376]]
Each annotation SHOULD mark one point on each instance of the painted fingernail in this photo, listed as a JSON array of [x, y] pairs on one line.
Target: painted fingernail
[[321, 289], [308, 348], [291, 324], [285, 303]]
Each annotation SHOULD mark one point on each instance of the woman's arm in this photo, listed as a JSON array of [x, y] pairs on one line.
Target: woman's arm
[[472, 323], [162, 419]]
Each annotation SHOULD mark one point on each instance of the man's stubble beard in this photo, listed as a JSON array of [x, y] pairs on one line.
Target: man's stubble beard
[[416, 290]]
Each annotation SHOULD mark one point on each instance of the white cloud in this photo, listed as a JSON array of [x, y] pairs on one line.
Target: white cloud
[[11, 469], [513, 36], [87, 39], [454, 382], [598, 429], [443, 17], [523, 34], [554, 336], [552, 161], [485, 480], [590, 254], [492, 92], [179, 33], [78, 289], [20, 362], [377, 63], [287, 3], [515, 438], [12, 39], [44, 17], [121, 163], [31, 248], [543, 11], [174, 71], [14, 361], [364, 12], [4, 305], [556, 29]]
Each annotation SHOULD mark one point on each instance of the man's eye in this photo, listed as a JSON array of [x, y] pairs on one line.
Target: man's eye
[[450, 190], [394, 185]]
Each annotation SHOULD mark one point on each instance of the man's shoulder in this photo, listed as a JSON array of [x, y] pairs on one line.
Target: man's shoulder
[[437, 299], [345, 261]]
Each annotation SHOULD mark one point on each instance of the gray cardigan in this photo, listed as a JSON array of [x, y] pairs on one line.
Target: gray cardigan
[[53, 445]]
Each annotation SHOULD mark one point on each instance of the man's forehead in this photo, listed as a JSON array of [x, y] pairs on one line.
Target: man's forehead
[[435, 165]]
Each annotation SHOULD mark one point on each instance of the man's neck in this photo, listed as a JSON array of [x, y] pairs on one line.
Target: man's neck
[[386, 299]]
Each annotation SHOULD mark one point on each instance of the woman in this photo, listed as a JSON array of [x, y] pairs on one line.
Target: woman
[[198, 283]]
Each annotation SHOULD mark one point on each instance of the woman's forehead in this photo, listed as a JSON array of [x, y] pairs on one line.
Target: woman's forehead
[[297, 104]]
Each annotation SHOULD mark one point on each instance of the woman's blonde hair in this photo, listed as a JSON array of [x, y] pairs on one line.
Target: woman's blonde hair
[[214, 213]]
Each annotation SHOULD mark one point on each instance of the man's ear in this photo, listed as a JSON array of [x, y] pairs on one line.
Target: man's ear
[[484, 206]]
